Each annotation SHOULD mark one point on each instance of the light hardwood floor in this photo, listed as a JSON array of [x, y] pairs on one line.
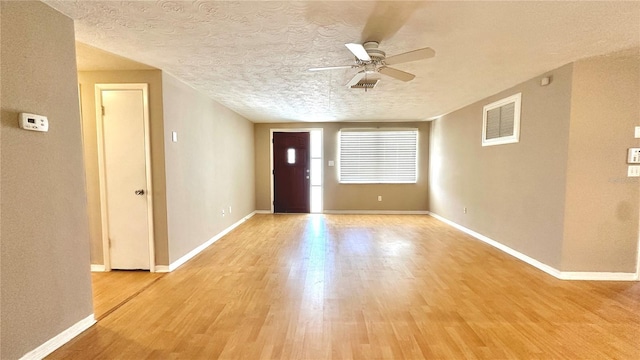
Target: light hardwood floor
[[114, 288], [364, 287]]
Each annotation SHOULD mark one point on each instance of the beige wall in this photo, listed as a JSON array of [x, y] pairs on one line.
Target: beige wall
[[210, 168], [46, 284], [343, 197], [88, 80], [514, 193], [561, 195], [601, 217]]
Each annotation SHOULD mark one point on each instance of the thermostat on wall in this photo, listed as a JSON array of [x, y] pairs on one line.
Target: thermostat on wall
[[34, 122]]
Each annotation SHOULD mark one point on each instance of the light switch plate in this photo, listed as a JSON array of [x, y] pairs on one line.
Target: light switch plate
[[174, 136], [634, 156], [637, 135], [331, 163], [633, 171]]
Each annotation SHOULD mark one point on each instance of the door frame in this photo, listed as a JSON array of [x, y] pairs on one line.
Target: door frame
[[271, 171], [106, 252], [638, 251]]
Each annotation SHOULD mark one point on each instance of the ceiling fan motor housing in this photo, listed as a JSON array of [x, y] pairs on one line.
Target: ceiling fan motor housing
[[375, 54]]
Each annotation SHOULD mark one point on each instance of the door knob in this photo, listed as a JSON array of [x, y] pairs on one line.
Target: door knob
[[139, 192]]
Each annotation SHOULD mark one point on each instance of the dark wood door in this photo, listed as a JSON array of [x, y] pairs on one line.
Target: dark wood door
[[291, 172]]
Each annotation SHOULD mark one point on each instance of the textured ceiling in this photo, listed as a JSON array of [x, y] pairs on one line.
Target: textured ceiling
[[252, 56]]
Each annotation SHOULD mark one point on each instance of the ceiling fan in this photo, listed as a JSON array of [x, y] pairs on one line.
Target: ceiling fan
[[369, 59]]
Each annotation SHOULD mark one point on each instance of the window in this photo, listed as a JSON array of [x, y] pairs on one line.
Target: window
[[291, 156], [369, 156], [316, 171], [501, 121]]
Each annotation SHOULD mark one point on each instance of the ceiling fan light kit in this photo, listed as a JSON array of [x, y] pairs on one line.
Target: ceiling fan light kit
[[366, 84], [369, 59]]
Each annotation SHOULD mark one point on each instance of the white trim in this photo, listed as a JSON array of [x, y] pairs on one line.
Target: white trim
[[378, 212], [638, 250], [97, 268], [57, 341], [162, 268], [263, 212], [104, 220], [531, 261], [597, 276], [174, 265], [102, 172], [271, 175], [563, 275]]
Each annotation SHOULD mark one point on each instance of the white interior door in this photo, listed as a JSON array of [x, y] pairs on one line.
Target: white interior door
[[125, 177]]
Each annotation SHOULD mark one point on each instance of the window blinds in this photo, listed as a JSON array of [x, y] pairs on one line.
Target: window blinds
[[378, 156]]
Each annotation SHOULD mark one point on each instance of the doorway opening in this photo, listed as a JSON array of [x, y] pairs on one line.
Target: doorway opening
[[289, 155]]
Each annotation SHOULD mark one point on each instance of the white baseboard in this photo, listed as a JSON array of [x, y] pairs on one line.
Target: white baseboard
[[161, 268], [174, 265], [57, 341], [378, 212], [262, 212], [563, 275], [598, 276], [97, 268]]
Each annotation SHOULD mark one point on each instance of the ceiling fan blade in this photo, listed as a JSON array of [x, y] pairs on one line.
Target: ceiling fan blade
[[359, 51], [396, 74], [333, 67], [414, 55], [356, 78], [387, 18]]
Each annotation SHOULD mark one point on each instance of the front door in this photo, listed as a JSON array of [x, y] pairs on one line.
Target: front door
[[123, 131], [291, 172]]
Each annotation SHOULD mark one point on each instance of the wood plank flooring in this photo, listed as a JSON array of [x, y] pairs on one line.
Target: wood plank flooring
[[114, 288], [363, 287]]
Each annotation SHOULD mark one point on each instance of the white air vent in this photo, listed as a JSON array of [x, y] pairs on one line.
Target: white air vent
[[366, 84], [501, 121]]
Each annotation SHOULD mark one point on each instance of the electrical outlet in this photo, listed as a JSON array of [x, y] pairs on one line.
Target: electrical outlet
[[379, 197], [464, 210], [222, 213], [633, 171]]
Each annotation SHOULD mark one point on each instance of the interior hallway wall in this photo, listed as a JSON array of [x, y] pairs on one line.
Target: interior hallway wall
[[602, 209], [46, 284], [561, 195], [208, 170], [514, 193]]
